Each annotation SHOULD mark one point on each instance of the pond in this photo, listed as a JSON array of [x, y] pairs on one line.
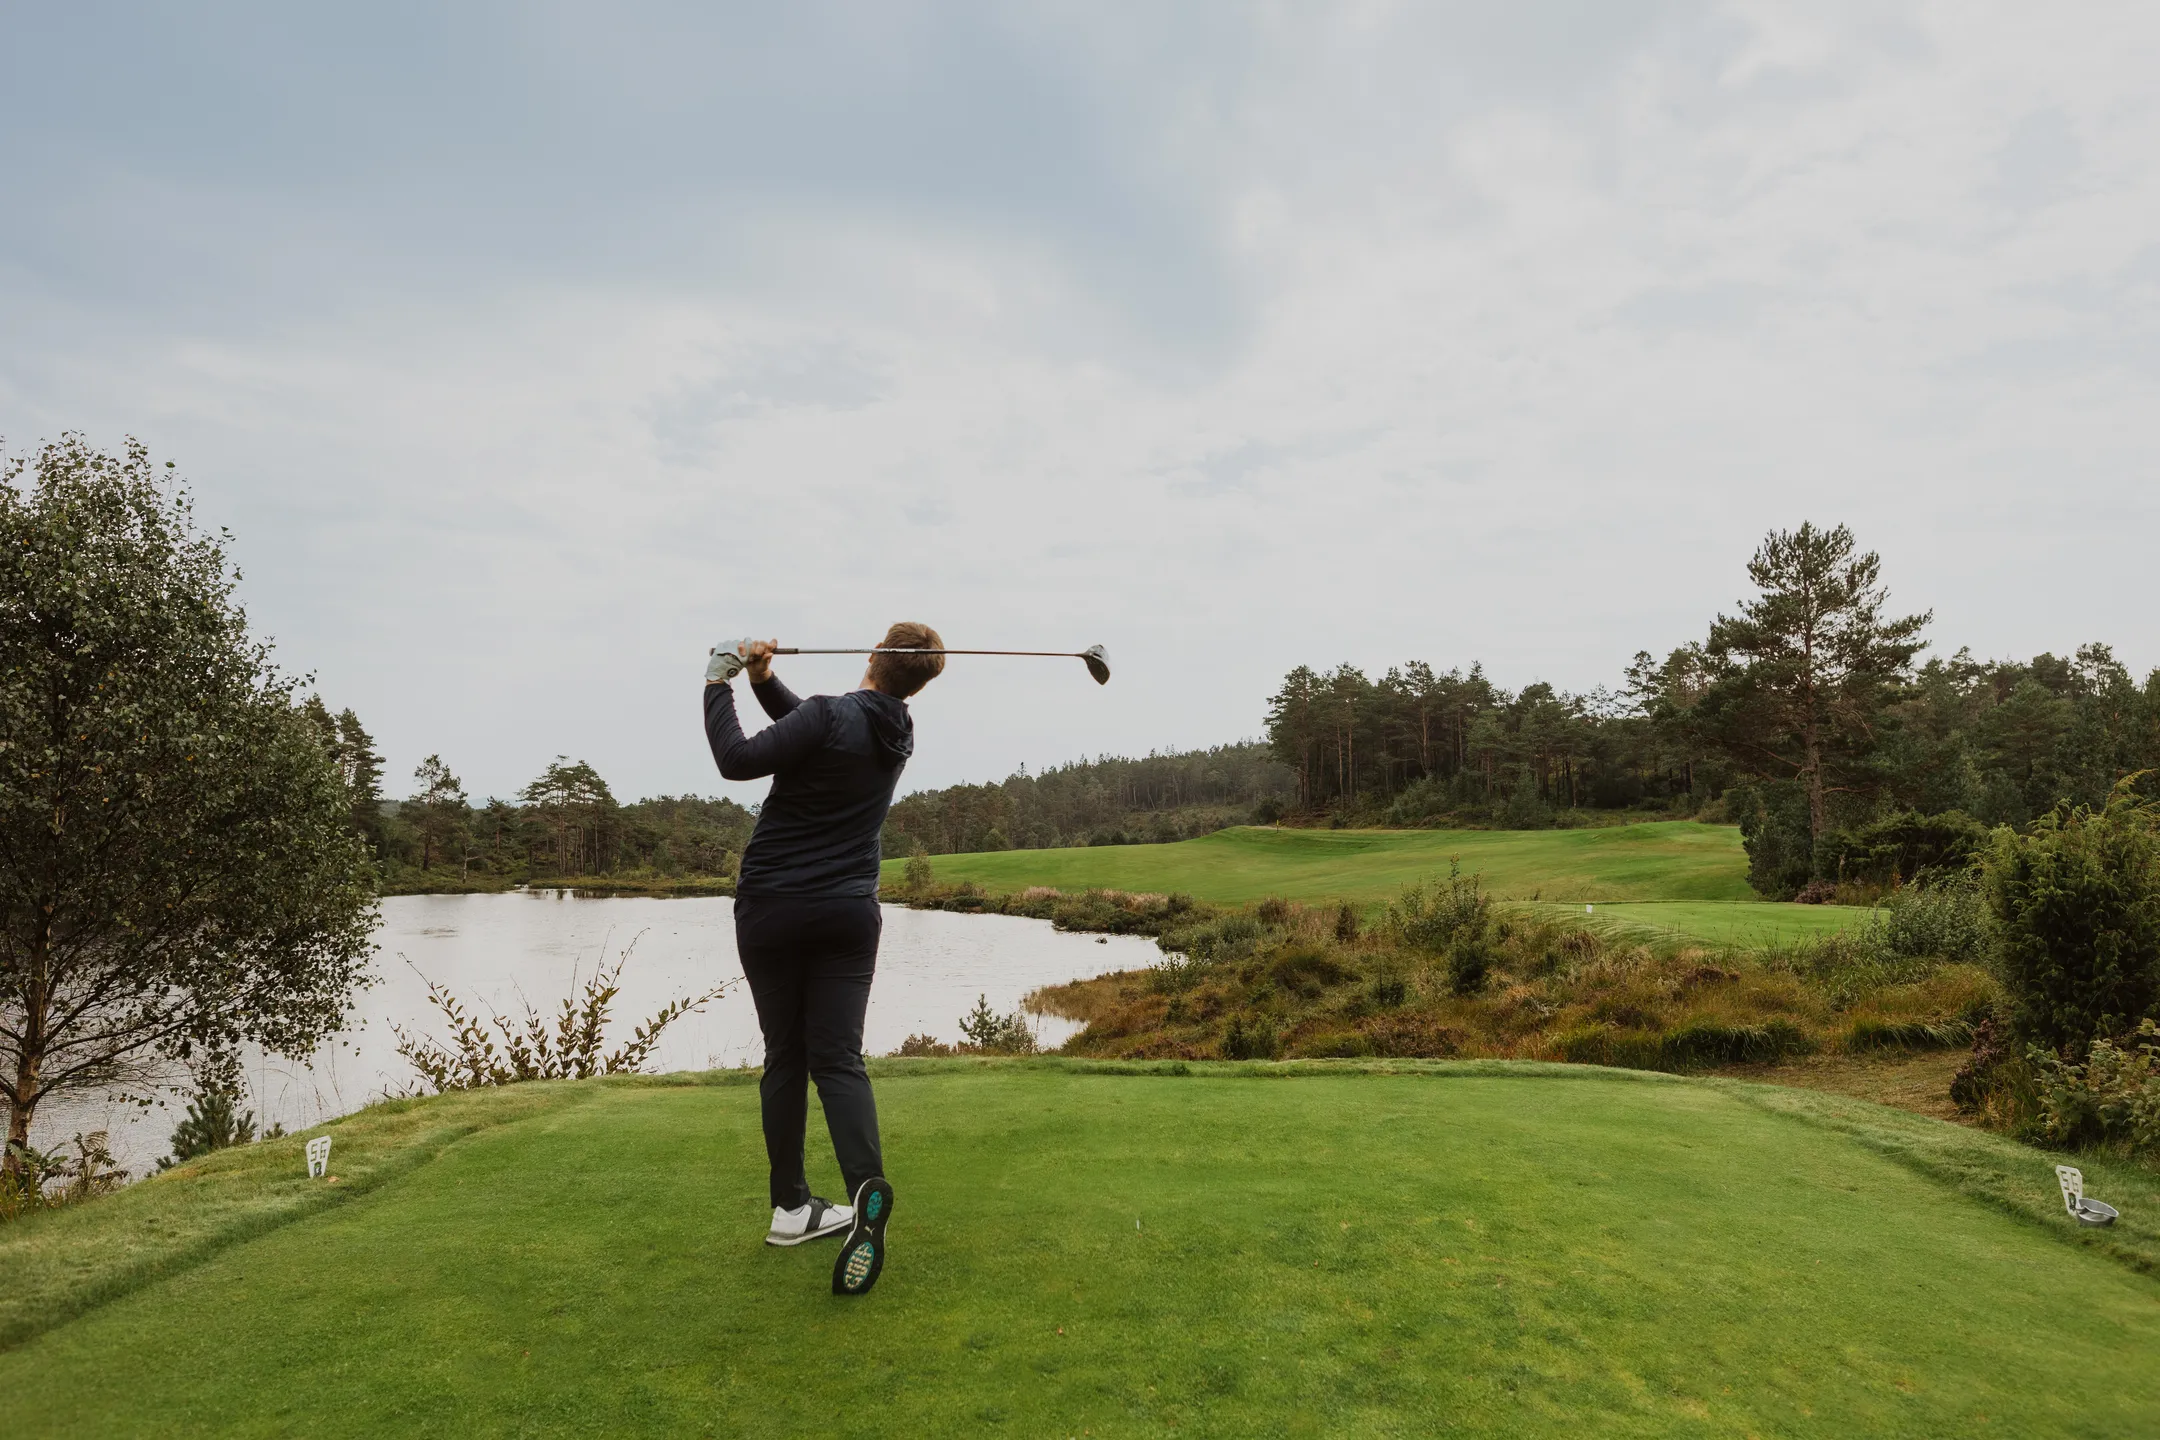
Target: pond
[[501, 950]]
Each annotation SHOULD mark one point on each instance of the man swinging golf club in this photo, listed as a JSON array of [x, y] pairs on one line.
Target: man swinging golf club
[[807, 920]]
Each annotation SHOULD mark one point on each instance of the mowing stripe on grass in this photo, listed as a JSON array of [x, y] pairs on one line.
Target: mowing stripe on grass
[[60, 1263]]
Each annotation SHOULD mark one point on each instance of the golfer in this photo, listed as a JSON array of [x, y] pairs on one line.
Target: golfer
[[807, 921]]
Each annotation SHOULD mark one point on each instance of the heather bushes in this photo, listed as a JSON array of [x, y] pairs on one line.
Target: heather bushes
[[1443, 972]]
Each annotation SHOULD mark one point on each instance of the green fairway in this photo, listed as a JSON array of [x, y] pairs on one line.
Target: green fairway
[[1670, 860], [1719, 922], [1474, 1250], [1674, 860]]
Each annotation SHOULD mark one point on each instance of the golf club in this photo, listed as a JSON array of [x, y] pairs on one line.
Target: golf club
[[1098, 659]]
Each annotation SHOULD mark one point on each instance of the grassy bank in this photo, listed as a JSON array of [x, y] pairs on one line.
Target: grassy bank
[[1521, 1252], [1666, 861], [639, 884], [406, 881], [409, 880]]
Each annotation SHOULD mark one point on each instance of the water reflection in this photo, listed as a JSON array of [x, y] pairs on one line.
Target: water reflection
[[503, 949]]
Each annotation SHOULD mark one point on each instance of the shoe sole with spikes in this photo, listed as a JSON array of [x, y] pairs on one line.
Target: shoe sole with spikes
[[862, 1254]]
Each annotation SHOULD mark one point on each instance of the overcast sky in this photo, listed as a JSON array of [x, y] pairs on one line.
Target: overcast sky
[[528, 349]]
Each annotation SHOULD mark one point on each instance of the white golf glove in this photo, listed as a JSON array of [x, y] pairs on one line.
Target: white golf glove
[[727, 662]]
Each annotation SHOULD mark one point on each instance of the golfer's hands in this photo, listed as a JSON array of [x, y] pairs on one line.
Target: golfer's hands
[[727, 662], [757, 659]]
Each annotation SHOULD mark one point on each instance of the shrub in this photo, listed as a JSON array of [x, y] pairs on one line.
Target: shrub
[[1774, 828], [1526, 809], [1176, 973], [1234, 937], [997, 1034], [1432, 920], [1346, 922], [2076, 906], [1114, 912], [1389, 992], [1850, 967], [918, 876], [1306, 970], [1900, 848], [1469, 961], [2113, 1098], [1995, 1079], [571, 1050], [1944, 921], [1421, 802], [211, 1124], [42, 1180], [1816, 892], [1249, 1041]]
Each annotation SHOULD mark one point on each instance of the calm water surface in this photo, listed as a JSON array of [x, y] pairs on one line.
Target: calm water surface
[[503, 949]]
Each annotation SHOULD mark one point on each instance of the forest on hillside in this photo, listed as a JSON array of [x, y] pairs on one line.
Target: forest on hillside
[[1110, 800]]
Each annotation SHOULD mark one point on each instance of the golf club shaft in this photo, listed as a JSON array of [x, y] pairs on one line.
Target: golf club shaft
[[1058, 654]]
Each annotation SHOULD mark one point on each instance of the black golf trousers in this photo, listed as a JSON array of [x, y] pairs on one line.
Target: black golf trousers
[[809, 961]]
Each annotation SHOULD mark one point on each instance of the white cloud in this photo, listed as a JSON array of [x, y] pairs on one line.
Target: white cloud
[[1403, 333]]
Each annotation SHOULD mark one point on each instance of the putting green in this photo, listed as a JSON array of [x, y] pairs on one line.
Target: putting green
[[1676, 860], [1478, 1250]]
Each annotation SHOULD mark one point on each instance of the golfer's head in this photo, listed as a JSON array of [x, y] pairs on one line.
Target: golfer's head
[[903, 675]]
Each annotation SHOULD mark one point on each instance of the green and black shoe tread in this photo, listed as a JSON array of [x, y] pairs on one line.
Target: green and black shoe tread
[[862, 1254]]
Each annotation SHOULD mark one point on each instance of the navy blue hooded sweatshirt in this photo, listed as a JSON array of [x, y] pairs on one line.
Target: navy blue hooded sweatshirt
[[835, 761]]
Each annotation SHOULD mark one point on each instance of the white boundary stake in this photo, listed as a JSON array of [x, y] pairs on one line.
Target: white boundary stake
[[2082, 1210], [318, 1157]]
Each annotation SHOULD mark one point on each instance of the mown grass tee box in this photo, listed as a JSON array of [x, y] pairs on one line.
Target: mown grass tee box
[[1260, 1250]]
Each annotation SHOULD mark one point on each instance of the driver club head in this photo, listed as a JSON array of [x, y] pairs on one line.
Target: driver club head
[[1098, 663]]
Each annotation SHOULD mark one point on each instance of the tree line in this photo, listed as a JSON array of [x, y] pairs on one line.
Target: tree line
[[1110, 800], [567, 821], [1803, 715]]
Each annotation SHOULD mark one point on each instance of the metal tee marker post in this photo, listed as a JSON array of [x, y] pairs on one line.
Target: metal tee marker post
[[1096, 658]]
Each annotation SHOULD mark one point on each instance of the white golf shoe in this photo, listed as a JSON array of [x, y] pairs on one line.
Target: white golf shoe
[[808, 1222]]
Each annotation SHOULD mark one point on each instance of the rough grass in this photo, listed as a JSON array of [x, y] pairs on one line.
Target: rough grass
[[1374, 1250], [1551, 991], [1679, 860]]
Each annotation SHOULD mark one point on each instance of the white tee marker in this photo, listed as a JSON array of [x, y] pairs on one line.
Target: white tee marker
[[318, 1157], [2082, 1210]]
